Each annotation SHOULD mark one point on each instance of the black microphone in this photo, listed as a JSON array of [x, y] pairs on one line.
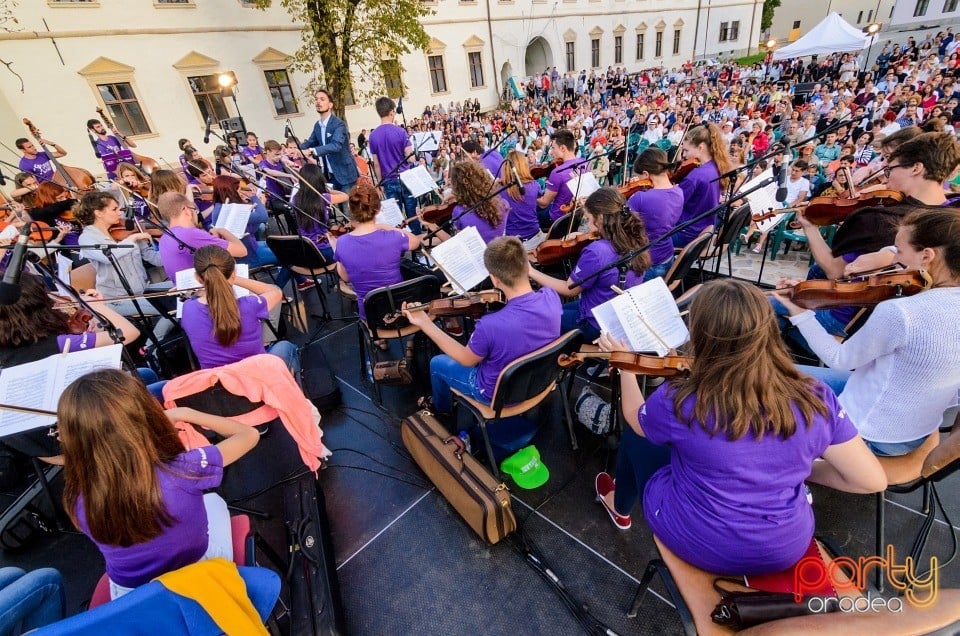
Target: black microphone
[[287, 132], [516, 180], [10, 286], [782, 180], [206, 133], [3, 179]]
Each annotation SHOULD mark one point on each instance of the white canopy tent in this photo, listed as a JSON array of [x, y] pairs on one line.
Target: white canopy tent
[[832, 35]]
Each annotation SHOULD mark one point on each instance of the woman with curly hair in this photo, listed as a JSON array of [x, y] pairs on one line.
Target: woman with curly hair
[[620, 232], [471, 184]]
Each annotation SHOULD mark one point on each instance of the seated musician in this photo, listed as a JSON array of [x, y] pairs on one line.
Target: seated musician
[[315, 201], [898, 374], [276, 181], [203, 175], [98, 212], [180, 214], [26, 186], [132, 488], [620, 231], [521, 216], [658, 208], [370, 255], [917, 168], [701, 187], [162, 181], [135, 188], [222, 328], [530, 320], [51, 203], [472, 184], [719, 458], [252, 151], [563, 150], [227, 189]]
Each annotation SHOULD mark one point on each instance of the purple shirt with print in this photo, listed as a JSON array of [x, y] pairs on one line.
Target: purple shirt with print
[[595, 291], [735, 507], [389, 142], [41, 166], [659, 210], [525, 324], [176, 258], [557, 182], [372, 260], [487, 232], [522, 218], [183, 542], [198, 325]]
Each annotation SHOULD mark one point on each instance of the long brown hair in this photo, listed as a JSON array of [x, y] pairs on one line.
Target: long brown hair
[[710, 135], [742, 375], [112, 450], [214, 266], [518, 161], [162, 181], [32, 317], [937, 228], [471, 184], [226, 189], [619, 225]]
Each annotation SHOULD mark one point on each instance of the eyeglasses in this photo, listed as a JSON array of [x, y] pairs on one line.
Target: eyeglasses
[[886, 170]]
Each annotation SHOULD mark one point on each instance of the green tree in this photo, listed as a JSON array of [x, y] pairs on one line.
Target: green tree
[[344, 40], [768, 8]]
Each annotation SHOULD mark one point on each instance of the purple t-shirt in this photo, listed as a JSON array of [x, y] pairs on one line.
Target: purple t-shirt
[[701, 192], [487, 232], [492, 160], [185, 541], [525, 324], [253, 153], [389, 142], [372, 260], [176, 258], [271, 184], [41, 166], [735, 507], [522, 218], [198, 325], [595, 291], [557, 182], [78, 342], [659, 210]]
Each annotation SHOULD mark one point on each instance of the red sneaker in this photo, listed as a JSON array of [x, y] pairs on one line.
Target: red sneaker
[[604, 485]]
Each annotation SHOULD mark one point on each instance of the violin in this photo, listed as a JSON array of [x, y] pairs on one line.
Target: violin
[[69, 176], [543, 170], [634, 185], [119, 231], [339, 230], [683, 170], [863, 290], [825, 211], [473, 305], [669, 366], [552, 251], [79, 321], [147, 164], [438, 213]]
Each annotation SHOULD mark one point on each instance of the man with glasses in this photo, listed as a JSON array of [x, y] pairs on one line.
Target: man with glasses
[[176, 251]]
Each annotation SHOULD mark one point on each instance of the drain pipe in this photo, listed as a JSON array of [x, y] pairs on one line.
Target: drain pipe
[[493, 55], [696, 32]]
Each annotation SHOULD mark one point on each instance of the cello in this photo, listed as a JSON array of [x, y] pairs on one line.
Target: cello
[[74, 179], [147, 164]]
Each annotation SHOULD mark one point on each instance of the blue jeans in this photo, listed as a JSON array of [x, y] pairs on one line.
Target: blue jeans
[[836, 379], [833, 326], [289, 353], [265, 256], [446, 373], [154, 384], [658, 271], [29, 600], [637, 460], [894, 449], [394, 190], [570, 319]]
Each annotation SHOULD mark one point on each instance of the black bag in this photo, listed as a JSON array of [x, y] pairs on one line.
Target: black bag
[[29, 516], [316, 379], [174, 358], [740, 610], [315, 603]]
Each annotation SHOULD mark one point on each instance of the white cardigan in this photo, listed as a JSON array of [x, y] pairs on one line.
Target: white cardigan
[[906, 360]]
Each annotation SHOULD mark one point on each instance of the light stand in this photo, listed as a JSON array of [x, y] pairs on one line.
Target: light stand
[[228, 83]]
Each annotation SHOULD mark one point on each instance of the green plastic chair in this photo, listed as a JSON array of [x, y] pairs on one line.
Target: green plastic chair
[[783, 234]]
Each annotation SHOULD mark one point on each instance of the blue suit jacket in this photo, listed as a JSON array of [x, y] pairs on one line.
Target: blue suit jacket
[[336, 148]]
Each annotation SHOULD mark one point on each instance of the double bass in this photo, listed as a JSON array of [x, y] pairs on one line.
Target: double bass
[[147, 164], [74, 179]]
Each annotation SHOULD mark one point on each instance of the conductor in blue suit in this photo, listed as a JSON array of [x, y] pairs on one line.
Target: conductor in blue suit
[[330, 139]]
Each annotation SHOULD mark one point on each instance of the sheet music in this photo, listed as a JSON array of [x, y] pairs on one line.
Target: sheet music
[[418, 181], [426, 141], [461, 259], [233, 217], [39, 384], [763, 199], [646, 316], [186, 280], [583, 185], [390, 213]]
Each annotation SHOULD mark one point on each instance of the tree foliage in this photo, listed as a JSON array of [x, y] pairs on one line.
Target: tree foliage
[[344, 42], [769, 6]]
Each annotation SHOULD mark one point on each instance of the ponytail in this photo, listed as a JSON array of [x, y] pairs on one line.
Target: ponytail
[[214, 266], [709, 134]]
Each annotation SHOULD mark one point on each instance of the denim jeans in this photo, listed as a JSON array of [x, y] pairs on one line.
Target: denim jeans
[[570, 319], [154, 384], [288, 352], [833, 326], [836, 379], [446, 373], [637, 460], [265, 256], [658, 271], [394, 190], [29, 600]]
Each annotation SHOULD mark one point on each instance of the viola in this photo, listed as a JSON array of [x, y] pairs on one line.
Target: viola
[[438, 213], [473, 304], [69, 176], [683, 170], [147, 164], [824, 211], [552, 251], [640, 363], [864, 290]]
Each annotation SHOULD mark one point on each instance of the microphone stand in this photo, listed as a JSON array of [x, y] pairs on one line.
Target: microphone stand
[[624, 260]]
